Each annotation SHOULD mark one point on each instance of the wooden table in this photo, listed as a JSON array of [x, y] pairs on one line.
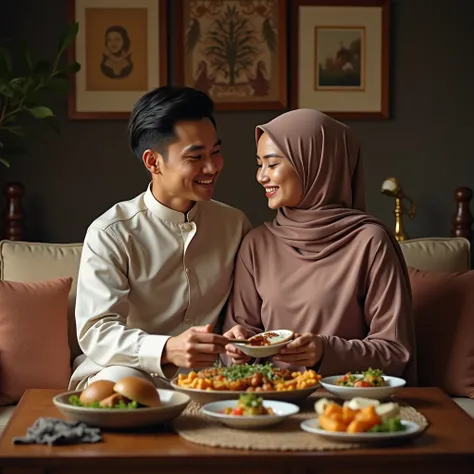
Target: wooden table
[[446, 446]]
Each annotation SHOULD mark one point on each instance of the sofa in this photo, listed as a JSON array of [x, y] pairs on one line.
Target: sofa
[[34, 262]]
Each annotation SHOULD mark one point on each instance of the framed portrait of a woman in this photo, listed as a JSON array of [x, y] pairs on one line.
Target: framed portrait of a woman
[[121, 46]]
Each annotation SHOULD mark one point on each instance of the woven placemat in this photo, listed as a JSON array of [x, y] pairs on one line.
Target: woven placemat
[[286, 436]]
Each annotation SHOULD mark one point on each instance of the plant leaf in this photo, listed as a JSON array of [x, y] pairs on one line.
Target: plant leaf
[[42, 68], [6, 91], [54, 124], [16, 130], [67, 71], [57, 84], [73, 67], [5, 162], [68, 37], [17, 84], [41, 112], [26, 54]]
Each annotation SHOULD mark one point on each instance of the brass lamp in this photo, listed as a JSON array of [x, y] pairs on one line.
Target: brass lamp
[[391, 187]]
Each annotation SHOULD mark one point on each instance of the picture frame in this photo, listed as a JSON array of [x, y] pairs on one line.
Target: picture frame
[[255, 77], [122, 48], [339, 57]]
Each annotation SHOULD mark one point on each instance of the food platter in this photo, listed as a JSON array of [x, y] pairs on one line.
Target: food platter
[[227, 383]]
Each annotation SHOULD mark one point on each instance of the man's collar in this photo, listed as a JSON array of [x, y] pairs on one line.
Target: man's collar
[[166, 213]]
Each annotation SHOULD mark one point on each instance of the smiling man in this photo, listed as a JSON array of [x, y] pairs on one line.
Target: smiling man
[[156, 271]]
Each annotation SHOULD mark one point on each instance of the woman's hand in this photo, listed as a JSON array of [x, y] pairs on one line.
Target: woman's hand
[[237, 356], [305, 349]]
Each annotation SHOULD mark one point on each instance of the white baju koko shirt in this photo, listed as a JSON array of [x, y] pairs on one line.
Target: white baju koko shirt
[[147, 273]]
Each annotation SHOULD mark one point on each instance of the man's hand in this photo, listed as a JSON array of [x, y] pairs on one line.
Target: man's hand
[[237, 356], [305, 350], [195, 348]]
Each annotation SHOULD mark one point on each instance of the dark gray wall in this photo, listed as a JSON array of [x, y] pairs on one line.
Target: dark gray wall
[[427, 143]]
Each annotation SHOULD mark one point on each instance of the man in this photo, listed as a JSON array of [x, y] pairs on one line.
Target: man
[[156, 271]]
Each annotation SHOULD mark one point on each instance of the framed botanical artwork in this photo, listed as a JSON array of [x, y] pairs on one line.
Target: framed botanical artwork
[[121, 46], [235, 51], [339, 57]]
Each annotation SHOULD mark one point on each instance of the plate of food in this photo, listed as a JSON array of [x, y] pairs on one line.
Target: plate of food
[[360, 420], [130, 403], [264, 344], [371, 383], [227, 383], [250, 411]]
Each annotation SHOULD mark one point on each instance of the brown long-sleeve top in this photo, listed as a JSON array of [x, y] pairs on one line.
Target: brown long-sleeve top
[[356, 298]]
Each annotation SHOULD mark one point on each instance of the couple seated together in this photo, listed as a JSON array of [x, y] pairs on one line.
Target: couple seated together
[[166, 278]]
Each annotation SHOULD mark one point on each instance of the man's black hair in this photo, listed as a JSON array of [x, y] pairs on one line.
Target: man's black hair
[[154, 116]]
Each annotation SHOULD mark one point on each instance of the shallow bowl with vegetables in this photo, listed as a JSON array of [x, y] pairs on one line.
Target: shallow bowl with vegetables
[[371, 383], [124, 415], [249, 412]]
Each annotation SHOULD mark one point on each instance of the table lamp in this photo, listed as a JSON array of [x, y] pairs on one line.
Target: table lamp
[[391, 187]]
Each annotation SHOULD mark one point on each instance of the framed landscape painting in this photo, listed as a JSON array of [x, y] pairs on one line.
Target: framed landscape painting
[[121, 46], [340, 57], [235, 51]]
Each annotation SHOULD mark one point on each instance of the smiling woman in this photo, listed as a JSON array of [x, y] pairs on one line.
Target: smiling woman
[[277, 175], [323, 267]]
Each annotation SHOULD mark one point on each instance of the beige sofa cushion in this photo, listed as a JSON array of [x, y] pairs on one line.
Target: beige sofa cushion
[[438, 254], [36, 261]]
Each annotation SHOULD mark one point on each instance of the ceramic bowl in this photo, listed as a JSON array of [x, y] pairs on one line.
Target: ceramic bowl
[[282, 410], [172, 405], [376, 393], [280, 339]]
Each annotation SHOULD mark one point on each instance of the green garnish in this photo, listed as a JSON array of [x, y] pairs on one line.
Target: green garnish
[[236, 372], [373, 372], [391, 425], [250, 400], [74, 400]]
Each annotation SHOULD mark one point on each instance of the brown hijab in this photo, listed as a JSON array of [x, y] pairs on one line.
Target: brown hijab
[[326, 156]]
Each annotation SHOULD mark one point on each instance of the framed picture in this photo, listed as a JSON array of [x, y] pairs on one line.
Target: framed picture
[[235, 51], [340, 57], [121, 46]]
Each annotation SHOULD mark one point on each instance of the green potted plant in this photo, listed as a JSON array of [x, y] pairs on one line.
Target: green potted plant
[[25, 94]]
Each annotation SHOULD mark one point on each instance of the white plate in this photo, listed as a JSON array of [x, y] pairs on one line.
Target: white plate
[[282, 410], [312, 426], [172, 404], [282, 338], [377, 393], [207, 396]]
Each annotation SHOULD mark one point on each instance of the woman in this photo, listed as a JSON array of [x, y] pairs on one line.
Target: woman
[[117, 58], [322, 267]]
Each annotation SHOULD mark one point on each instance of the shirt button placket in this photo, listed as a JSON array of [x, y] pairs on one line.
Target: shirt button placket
[[187, 229]]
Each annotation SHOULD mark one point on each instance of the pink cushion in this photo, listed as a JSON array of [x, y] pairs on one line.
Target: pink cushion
[[443, 305], [34, 348]]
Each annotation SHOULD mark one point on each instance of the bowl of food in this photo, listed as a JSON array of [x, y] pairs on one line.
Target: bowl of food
[[228, 383], [371, 383], [250, 411], [360, 420], [132, 402], [264, 344]]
